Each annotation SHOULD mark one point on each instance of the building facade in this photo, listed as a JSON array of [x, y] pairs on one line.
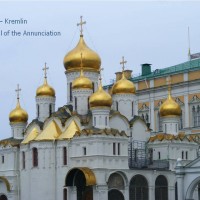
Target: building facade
[[117, 142]]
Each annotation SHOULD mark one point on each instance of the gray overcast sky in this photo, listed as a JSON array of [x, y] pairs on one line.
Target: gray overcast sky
[[153, 32]]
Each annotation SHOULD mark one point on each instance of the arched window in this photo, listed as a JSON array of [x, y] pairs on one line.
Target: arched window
[[38, 110], [132, 108], [93, 87], [117, 106], [65, 194], [159, 122], [181, 120], [106, 121], [194, 116], [64, 155], [3, 197], [35, 157], [116, 181], [182, 154], [50, 110], [75, 102], [161, 188], [23, 160], [138, 189], [94, 121], [70, 91]]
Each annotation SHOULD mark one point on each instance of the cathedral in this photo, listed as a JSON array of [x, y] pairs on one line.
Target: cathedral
[[135, 139]]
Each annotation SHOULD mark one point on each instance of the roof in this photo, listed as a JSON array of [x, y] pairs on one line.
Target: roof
[[176, 69]]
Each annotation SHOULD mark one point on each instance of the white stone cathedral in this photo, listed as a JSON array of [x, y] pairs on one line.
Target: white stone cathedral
[[97, 146]]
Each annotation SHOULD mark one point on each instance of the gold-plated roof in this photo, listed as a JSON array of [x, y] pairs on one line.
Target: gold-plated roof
[[31, 136], [170, 107], [45, 90], [100, 98], [88, 173], [18, 114], [123, 86], [82, 82], [70, 131], [51, 132], [91, 62]]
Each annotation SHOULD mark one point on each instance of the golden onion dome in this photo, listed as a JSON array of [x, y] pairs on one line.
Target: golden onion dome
[[170, 107], [18, 114], [45, 90], [123, 86], [82, 82], [91, 62], [100, 98]]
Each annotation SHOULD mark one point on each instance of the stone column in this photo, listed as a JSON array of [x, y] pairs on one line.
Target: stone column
[[171, 192], [71, 193], [126, 192], [151, 192], [100, 192]]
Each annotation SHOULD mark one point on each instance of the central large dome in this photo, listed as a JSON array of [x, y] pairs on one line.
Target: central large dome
[[91, 60]]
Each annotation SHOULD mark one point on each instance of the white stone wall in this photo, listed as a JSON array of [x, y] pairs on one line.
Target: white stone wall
[[170, 125], [82, 97], [125, 104], [44, 111], [18, 130]]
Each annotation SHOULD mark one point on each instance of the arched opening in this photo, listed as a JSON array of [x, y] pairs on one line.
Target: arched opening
[[115, 194], [83, 179], [3, 197], [176, 191], [194, 185], [35, 157], [161, 188], [138, 189], [116, 181]]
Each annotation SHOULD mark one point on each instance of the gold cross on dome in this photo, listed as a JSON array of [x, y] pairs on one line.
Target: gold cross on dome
[[100, 77], [45, 70], [81, 24], [123, 62], [17, 91]]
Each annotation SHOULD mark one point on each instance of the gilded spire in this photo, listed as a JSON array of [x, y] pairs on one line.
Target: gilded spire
[[81, 23], [45, 89], [123, 86], [82, 82], [100, 98], [18, 90], [123, 62], [169, 107], [18, 114]]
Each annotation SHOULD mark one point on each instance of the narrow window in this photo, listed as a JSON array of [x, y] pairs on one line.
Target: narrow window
[[35, 157], [94, 121], [23, 160], [88, 104], [64, 155], [132, 108], [186, 155], [38, 110], [2, 159], [106, 121], [70, 91], [84, 151], [147, 118], [65, 194], [159, 157], [118, 148], [182, 154], [75, 102], [50, 110], [93, 87], [117, 106], [114, 149]]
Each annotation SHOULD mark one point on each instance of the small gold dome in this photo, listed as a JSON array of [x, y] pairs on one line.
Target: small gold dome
[[82, 82], [18, 115], [100, 98], [91, 62], [123, 86], [45, 90], [170, 108]]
